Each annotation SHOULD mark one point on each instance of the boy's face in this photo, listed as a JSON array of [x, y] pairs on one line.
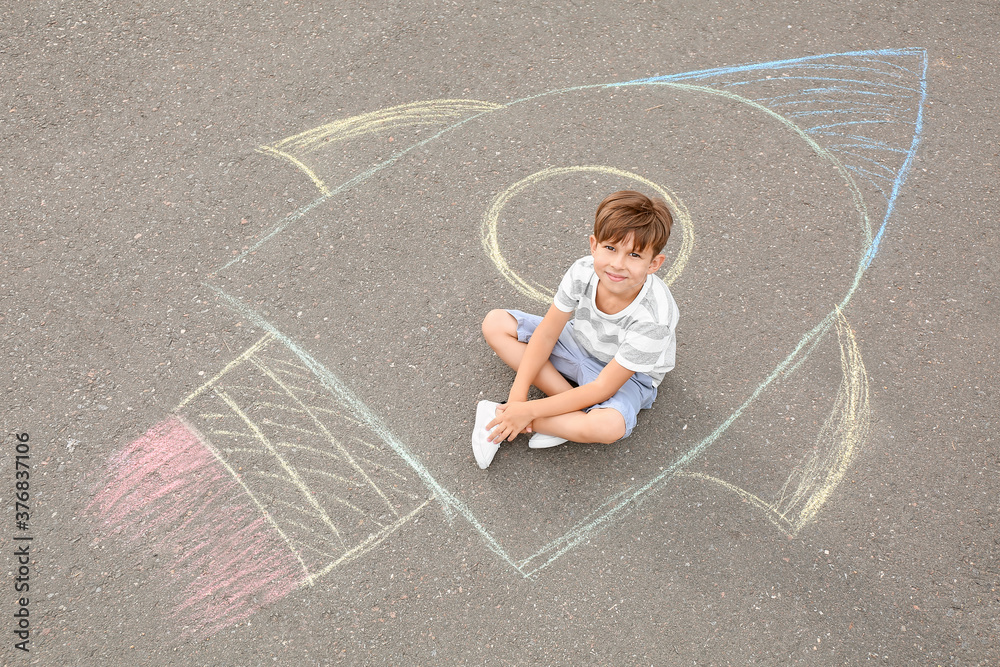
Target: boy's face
[[622, 269]]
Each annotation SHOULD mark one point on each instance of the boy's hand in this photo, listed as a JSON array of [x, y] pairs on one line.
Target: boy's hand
[[512, 419]]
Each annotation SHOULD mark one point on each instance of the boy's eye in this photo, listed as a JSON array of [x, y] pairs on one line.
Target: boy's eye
[[609, 247]]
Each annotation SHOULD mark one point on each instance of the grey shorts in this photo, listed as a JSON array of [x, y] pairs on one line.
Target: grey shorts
[[573, 362]]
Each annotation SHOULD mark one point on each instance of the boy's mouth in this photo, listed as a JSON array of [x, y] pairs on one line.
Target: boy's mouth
[[614, 277]]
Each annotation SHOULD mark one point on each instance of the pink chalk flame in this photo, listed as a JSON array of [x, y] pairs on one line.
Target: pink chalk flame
[[167, 492]]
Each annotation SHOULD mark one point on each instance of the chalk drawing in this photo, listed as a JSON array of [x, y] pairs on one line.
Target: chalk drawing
[[166, 491], [299, 461], [416, 115], [490, 237], [263, 480], [864, 108], [300, 148], [841, 437]]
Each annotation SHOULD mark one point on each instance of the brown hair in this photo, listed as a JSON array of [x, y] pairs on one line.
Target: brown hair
[[628, 212]]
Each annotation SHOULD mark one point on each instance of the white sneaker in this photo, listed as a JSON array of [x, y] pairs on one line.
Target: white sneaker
[[542, 441], [484, 450]]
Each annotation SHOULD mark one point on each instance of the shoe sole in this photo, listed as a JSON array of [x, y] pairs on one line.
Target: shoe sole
[[546, 443]]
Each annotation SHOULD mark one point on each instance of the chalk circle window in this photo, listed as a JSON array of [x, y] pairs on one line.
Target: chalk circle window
[[550, 226]]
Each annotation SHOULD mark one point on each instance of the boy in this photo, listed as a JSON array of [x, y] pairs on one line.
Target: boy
[[599, 367]]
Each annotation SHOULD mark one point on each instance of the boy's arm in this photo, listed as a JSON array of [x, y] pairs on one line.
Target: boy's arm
[[516, 415], [540, 347]]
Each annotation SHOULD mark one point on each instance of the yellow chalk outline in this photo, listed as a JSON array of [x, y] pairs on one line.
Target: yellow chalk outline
[[414, 114], [490, 236], [293, 476], [839, 440], [253, 355], [289, 542], [247, 353], [317, 181], [373, 541], [329, 436]]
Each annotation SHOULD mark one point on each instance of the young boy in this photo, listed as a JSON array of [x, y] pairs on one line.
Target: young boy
[[599, 366]]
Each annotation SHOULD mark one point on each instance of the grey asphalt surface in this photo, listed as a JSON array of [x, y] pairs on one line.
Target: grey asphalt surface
[[130, 175]]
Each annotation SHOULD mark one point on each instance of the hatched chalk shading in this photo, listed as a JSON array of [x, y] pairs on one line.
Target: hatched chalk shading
[[260, 482]]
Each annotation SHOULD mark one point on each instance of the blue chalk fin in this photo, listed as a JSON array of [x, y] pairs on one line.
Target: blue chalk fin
[[865, 107]]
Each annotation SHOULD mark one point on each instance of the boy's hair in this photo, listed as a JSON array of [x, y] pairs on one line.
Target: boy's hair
[[628, 212]]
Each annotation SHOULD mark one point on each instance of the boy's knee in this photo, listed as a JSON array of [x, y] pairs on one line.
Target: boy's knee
[[614, 435], [608, 426], [498, 321]]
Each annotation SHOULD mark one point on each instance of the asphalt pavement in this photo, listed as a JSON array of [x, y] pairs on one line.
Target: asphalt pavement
[[246, 251]]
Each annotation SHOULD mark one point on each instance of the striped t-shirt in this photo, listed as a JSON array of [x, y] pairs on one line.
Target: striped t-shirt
[[640, 338]]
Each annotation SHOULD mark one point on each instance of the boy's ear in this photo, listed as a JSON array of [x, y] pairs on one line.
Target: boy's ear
[[655, 265], [593, 244]]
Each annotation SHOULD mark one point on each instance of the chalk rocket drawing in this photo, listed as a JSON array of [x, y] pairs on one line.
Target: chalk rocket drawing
[[278, 470]]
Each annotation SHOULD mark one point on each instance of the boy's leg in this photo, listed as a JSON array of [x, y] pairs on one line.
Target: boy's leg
[[601, 425], [500, 332], [606, 422]]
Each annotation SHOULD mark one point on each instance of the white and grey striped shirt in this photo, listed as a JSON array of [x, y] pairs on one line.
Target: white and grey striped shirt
[[640, 338]]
